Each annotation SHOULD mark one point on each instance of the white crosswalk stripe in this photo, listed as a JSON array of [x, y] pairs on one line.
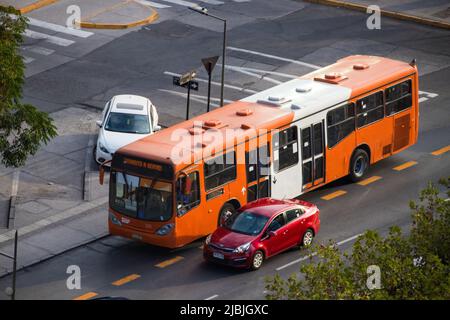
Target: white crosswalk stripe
[[39, 50], [48, 38], [58, 28], [27, 60], [50, 33]]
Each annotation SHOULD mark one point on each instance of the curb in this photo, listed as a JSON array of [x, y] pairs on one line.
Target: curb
[[386, 13], [36, 5], [91, 25]]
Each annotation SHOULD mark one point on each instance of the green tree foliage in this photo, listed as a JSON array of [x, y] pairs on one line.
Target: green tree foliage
[[412, 266], [22, 127]]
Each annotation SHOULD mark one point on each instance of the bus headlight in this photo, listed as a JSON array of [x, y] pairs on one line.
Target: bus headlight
[[243, 248], [165, 229], [114, 219]]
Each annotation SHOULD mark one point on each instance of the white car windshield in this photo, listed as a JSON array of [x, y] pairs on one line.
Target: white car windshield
[[129, 123]]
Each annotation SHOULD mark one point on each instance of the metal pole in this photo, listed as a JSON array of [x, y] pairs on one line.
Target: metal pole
[[13, 296], [223, 60], [188, 99], [209, 88]]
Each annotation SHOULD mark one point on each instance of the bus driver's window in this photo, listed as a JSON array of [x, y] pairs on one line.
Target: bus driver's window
[[188, 192]]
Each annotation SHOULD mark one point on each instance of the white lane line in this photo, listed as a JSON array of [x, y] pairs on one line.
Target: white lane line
[[15, 183], [315, 253], [50, 39], [429, 94], [349, 239], [423, 99], [213, 2], [197, 98], [305, 64], [214, 83], [212, 297], [296, 261], [27, 60], [259, 76], [200, 97], [58, 28], [182, 3], [152, 4], [39, 50], [275, 73]]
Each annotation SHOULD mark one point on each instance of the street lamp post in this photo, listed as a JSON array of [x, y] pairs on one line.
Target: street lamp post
[[204, 11]]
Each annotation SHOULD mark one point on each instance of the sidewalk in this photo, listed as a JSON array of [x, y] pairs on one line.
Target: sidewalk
[[51, 212], [99, 14], [25, 6], [429, 12]]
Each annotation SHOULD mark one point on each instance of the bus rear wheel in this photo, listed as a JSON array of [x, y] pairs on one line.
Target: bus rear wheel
[[359, 165], [227, 211]]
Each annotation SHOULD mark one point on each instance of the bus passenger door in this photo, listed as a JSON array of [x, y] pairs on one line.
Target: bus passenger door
[[285, 168], [257, 162], [313, 155]]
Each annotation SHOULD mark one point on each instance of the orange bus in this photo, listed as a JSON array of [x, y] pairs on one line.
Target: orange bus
[[178, 184]]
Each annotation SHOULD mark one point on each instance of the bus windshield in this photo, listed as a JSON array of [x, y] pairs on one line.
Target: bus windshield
[[140, 198]]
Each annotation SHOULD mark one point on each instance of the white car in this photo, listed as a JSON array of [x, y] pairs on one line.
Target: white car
[[125, 119]]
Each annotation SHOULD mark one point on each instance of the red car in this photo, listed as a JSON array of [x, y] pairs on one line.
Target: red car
[[260, 230]]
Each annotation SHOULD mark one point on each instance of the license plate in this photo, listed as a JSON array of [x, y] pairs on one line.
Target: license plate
[[218, 255], [136, 236]]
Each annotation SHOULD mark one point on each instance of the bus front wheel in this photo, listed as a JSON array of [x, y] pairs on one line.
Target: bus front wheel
[[227, 211], [359, 165]]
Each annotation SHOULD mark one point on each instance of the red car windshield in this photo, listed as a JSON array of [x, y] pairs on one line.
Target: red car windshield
[[247, 223]]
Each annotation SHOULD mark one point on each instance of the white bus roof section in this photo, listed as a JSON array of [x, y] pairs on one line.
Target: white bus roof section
[[302, 96]]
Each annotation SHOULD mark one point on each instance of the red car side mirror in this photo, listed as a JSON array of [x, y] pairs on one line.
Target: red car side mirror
[[272, 234]]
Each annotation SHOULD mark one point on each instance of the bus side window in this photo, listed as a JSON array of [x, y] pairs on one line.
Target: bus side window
[[188, 191], [398, 97], [369, 109], [285, 146], [220, 170], [340, 123]]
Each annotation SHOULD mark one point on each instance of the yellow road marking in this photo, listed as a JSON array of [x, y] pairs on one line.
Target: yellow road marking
[[334, 195], [86, 296], [127, 279], [367, 181], [441, 151], [169, 262], [405, 165]]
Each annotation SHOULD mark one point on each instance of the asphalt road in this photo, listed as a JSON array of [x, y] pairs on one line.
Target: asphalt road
[[141, 62]]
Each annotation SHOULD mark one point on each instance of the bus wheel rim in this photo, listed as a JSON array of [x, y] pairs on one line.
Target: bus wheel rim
[[359, 166], [226, 214]]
